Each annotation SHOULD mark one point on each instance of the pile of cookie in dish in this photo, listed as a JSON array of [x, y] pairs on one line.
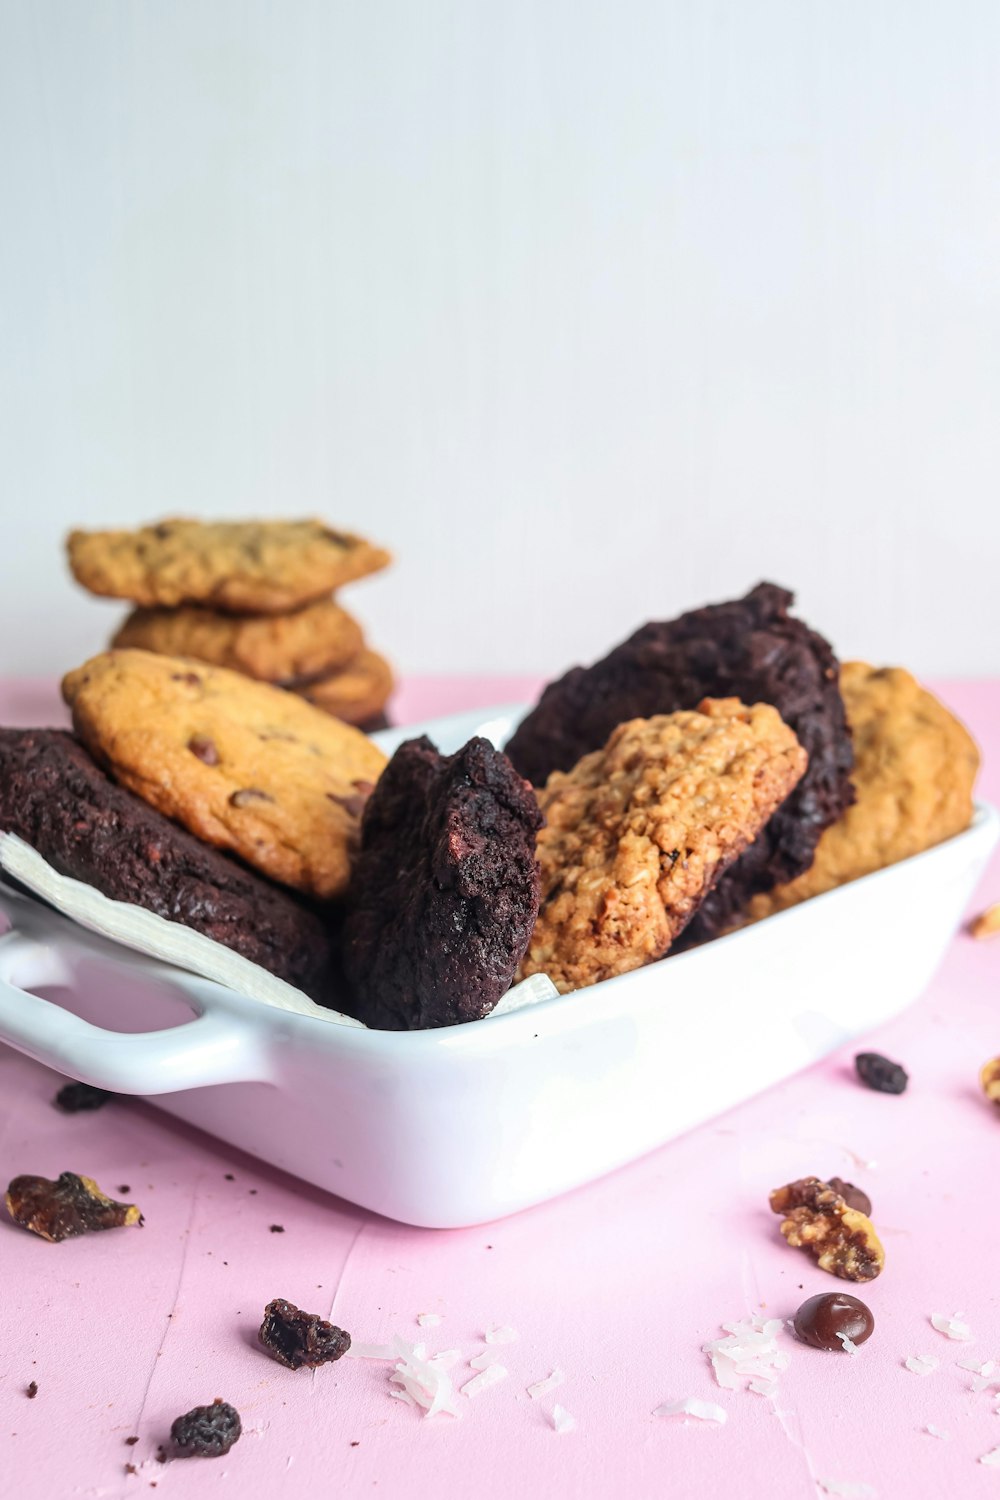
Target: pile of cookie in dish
[[259, 599], [709, 771]]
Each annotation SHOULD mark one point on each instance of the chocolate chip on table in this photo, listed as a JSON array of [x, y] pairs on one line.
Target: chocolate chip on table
[[277, 1228], [880, 1073], [69, 1206], [130, 1442], [204, 748], [31, 1389], [207, 1431], [298, 1338], [74, 1097], [852, 1196], [824, 1321]]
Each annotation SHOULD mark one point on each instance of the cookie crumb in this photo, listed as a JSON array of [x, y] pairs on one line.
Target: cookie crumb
[[69, 1206], [72, 1098], [229, 1177], [296, 1338], [130, 1442], [207, 1431], [987, 924], [881, 1073], [31, 1390], [277, 1228]]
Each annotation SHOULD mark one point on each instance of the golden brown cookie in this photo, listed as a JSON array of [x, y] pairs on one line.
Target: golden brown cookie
[[307, 642], [638, 833], [357, 693], [914, 769], [249, 567], [243, 765]]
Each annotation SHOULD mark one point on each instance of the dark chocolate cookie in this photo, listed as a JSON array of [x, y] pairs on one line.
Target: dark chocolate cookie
[[56, 799], [750, 649], [445, 889]]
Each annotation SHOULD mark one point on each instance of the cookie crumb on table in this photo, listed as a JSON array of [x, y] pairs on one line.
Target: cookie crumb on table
[[987, 924], [69, 1206], [74, 1097]]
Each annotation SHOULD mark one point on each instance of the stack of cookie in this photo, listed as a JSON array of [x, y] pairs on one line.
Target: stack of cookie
[[257, 597]]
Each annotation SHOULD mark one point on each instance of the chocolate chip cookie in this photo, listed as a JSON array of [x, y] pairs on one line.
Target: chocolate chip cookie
[[241, 764], [56, 799], [250, 567], [305, 644], [357, 693], [445, 888], [914, 769], [638, 833], [751, 649]]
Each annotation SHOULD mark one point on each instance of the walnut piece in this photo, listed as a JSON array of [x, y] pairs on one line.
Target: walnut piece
[[69, 1206], [817, 1219], [987, 924], [989, 1077]]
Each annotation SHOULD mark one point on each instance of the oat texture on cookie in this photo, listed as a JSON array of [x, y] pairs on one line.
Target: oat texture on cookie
[[239, 763], [638, 833], [753, 649]]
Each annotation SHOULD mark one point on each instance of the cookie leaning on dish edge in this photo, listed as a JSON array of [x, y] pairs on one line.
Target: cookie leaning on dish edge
[[445, 887], [637, 834], [914, 772], [749, 648], [56, 799], [242, 765]]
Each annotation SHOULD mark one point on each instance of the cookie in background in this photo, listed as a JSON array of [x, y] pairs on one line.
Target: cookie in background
[[254, 597], [915, 767]]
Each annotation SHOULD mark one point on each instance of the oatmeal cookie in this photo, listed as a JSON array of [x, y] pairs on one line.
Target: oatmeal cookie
[[445, 888], [56, 799], [305, 644], [356, 693], [914, 770], [638, 833], [751, 649], [251, 567], [241, 764]]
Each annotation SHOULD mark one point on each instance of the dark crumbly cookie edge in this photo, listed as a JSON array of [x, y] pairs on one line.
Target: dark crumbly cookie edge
[[55, 798], [446, 887], [750, 648]]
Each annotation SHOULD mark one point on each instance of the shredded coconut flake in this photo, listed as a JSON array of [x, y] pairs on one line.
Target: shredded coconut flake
[[501, 1335], [992, 1459], [922, 1364], [938, 1432], [703, 1411], [492, 1375], [446, 1359], [850, 1347], [428, 1320], [542, 1387], [425, 1384], [484, 1360], [561, 1419], [371, 1351], [749, 1352], [953, 1327], [762, 1387], [848, 1489], [986, 1368]]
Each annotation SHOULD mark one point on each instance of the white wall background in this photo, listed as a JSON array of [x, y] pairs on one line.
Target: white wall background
[[591, 310]]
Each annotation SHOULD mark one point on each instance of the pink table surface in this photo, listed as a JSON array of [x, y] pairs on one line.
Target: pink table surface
[[619, 1284]]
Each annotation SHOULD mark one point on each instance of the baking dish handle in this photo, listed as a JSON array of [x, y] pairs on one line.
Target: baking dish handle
[[215, 1047]]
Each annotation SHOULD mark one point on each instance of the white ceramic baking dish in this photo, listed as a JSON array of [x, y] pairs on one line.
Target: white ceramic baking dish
[[461, 1125]]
